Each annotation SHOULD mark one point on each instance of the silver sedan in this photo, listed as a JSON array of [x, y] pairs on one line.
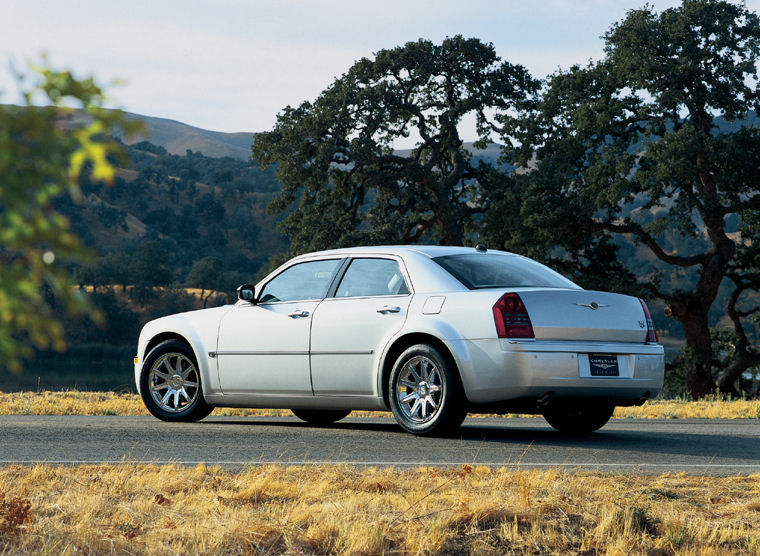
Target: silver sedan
[[427, 332]]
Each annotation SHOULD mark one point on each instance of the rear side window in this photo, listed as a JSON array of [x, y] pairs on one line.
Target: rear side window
[[370, 277], [484, 270]]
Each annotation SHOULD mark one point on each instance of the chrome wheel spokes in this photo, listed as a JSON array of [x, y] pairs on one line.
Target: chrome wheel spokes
[[419, 389], [173, 382]]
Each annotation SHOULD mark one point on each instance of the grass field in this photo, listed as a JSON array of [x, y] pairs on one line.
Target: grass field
[[131, 509], [134, 508], [110, 403]]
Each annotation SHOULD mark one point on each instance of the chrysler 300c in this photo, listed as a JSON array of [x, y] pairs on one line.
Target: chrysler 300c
[[427, 332]]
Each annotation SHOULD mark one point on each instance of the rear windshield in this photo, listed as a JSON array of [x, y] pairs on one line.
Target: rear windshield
[[484, 270]]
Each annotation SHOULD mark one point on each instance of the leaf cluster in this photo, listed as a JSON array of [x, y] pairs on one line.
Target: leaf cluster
[[42, 152]]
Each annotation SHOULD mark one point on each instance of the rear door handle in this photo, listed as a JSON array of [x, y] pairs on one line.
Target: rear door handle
[[298, 314], [385, 309]]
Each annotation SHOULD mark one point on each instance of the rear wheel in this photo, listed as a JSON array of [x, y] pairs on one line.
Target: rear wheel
[[170, 383], [569, 418], [424, 392], [320, 416]]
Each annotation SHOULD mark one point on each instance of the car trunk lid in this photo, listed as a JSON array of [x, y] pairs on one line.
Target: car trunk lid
[[585, 315]]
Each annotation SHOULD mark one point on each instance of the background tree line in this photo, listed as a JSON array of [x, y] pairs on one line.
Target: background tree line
[[648, 151]]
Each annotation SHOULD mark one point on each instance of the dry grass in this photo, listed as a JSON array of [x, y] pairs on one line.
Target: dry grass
[[711, 408], [110, 403], [130, 509]]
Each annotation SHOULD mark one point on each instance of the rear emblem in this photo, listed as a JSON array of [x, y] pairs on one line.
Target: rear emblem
[[593, 305], [641, 324]]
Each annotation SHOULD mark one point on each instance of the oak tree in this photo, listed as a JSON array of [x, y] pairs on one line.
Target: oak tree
[[651, 145], [342, 181]]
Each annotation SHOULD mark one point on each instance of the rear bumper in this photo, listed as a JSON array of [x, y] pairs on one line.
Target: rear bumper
[[495, 370]]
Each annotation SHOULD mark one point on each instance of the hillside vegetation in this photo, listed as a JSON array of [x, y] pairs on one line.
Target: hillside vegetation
[[166, 223]]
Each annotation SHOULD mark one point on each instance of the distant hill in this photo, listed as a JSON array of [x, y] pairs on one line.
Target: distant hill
[[490, 154], [178, 138]]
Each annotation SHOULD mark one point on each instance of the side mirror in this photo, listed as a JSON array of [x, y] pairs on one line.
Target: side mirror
[[247, 293]]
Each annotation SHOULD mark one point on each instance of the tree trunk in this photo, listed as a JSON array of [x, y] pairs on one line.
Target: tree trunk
[[727, 378], [744, 357], [692, 311], [699, 378], [452, 232], [744, 360]]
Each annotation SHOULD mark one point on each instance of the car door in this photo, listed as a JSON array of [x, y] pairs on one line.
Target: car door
[[351, 327], [263, 348]]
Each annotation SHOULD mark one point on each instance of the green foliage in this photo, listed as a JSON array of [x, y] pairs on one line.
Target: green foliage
[[154, 163], [335, 156], [43, 150], [190, 219], [725, 346], [170, 301], [208, 274]]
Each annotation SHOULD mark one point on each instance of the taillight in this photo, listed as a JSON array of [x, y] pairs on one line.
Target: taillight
[[651, 332], [511, 317]]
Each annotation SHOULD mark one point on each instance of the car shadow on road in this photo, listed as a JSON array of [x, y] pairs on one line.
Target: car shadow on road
[[527, 434], [693, 443], [387, 425]]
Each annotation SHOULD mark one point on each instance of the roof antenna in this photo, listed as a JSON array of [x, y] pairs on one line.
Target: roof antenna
[[480, 248]]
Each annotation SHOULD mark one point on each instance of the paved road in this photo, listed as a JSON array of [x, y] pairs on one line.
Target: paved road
[[714, 447]]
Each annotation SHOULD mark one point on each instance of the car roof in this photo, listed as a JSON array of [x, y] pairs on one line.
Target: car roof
[[426, 276], [401, 250]]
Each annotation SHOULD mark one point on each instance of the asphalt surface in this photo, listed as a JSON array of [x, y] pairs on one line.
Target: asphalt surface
[[709, 447]]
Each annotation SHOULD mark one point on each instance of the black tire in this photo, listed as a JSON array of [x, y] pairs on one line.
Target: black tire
[[425, 393], [577, 419], [170, 383], [320, 416]]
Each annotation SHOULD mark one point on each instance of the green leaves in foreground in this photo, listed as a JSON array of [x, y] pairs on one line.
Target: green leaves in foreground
[[43, 150]]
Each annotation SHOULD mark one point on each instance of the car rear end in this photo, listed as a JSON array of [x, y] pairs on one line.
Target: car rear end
[[529, 345], [584, 343], [544, 344]]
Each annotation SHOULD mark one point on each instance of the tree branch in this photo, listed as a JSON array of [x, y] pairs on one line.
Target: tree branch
[[753, 203], [655, 291], [627, 226]]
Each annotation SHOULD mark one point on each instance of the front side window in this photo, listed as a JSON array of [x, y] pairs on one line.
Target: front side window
[[299, 282], [483, 270], [371, 277]]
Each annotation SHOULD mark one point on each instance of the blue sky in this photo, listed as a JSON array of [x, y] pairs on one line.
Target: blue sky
[[231, 65]]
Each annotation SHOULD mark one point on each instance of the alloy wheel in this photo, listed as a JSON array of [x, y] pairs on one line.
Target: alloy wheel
[[173, 382], [419, 389]]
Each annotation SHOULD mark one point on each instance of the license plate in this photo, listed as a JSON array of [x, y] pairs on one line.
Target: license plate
[[603, 365]]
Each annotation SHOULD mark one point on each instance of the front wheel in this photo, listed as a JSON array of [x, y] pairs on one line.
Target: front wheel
[[569, 418], [170, 383], [320, 416], [425, 395]]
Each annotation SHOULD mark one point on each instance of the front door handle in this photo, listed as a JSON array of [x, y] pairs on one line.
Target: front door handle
[[385, 309], [298, 314]]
